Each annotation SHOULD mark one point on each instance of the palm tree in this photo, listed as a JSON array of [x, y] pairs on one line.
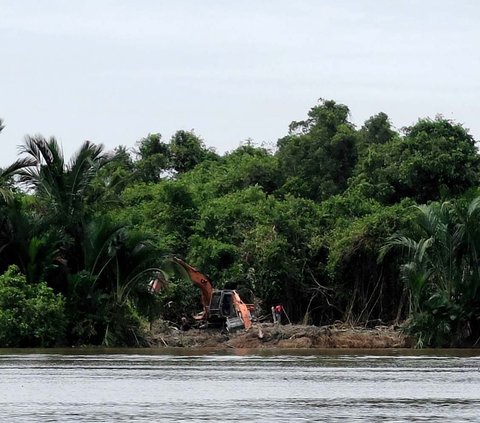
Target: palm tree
[[13, 224], [6, 178], [118, 266], [64, 190], [63, 185], [442, 271], [7, 174], [25, 242]]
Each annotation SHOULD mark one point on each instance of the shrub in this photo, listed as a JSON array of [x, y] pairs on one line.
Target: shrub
[[31, 315]]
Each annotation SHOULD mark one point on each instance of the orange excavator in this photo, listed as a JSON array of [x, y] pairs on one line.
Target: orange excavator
[[220, 306]]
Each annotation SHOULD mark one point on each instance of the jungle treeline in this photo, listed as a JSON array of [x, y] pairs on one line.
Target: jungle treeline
[[366, 225]]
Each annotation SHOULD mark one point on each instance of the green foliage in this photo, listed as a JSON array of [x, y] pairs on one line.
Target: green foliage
[[64, 190], [110, 297], [165, 210], [79, 251], [372, 289], [158, 160], [113, 177], [188, 150], [221, 228], [247, 166], [86, 309], [301, 226], [62, 186], [120, 264], [153, 158], [258, 244], [96, 319], [25, 241], [30, 314], [376, 130], [442, 273], [6, 176], [178, 297], [280, 257], [319, 155], [435, 157]]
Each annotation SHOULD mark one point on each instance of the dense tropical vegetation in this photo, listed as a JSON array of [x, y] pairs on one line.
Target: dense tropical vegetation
[[363, 225]]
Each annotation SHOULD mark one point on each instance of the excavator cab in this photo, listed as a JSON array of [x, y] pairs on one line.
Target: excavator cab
[[227, 308], [221, 304]]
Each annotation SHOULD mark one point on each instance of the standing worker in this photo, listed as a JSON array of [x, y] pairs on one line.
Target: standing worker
[[184, 324], [277, 312]]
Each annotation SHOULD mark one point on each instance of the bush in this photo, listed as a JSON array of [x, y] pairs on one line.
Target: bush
[[31, 315]]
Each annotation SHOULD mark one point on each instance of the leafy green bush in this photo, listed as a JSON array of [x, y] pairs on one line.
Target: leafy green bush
[[442, 274], [31, 315]]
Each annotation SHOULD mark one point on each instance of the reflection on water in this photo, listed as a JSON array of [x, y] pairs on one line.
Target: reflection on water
[[187, 386]]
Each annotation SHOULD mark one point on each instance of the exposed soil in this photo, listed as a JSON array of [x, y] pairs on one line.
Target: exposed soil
[[268, 335]]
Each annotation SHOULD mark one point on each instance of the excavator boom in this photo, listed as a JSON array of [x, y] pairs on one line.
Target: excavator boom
[[199, 279]]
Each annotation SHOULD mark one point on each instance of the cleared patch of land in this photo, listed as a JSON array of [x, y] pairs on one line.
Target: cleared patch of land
[[268, 335]]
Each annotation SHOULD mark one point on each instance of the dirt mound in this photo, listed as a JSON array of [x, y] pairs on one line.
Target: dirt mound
[[268, 335]]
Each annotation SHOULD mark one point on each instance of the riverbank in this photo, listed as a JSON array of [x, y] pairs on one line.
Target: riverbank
[[268, 335]]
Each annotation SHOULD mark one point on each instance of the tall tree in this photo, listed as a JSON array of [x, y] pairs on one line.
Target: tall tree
[[153, 158], [434, 158], [63, 186], [376, 130], [63, 189], [188, 150], [319, 154]]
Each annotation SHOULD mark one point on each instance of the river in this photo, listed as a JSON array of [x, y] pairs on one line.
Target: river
[[239, 386]]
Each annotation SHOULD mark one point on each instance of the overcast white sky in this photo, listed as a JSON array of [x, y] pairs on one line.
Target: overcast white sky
[[114, 71]]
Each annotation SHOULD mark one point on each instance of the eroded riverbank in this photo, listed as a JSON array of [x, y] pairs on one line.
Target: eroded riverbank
[[268, 335]]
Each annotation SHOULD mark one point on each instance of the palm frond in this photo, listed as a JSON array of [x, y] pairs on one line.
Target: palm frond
[[7, 174], [398, 241]]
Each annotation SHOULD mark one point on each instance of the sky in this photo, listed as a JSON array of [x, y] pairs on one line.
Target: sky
[[113, 71]]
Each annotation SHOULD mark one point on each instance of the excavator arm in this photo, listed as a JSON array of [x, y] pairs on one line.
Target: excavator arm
[[199, 279]]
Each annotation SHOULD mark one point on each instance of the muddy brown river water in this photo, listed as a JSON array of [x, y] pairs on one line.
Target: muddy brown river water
[[239, 386]]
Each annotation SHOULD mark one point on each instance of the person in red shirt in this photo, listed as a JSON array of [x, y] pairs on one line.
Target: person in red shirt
[[277, 314]]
